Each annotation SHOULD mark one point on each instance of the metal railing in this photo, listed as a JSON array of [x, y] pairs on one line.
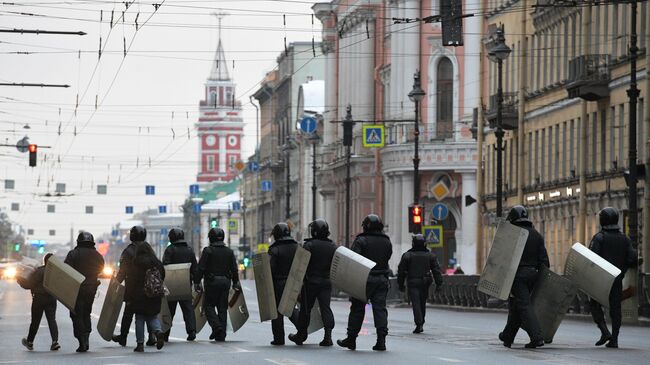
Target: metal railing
[[589, 68]]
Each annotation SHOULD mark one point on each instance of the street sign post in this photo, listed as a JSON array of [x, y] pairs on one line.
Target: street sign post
[[373, 136]]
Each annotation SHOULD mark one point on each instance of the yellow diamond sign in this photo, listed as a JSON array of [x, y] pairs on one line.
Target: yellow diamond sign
[[440, 191]]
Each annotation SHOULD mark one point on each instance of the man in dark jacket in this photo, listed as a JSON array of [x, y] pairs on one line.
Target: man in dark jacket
[[85, 259], [42, 302], [418, 267], [376, 246], [614, 246], [281, 254], [138, 234], [218, 267], [317, 283], [520, 314], [179, 252]]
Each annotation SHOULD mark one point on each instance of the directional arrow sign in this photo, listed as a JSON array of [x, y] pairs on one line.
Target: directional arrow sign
[[440, 212], [308, 124]]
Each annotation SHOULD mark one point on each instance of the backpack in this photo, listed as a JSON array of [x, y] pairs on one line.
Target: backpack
[[153, 283]]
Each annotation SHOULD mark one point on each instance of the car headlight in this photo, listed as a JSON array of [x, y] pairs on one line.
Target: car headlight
[[107, 271], [10, 272]]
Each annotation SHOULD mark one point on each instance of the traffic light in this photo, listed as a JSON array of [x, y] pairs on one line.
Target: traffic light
[[17, 247], [33, 149], [415, 219], [41, 249], [247, 261], [213, 223]]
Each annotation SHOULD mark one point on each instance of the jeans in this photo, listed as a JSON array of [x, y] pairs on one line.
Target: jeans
[[153, 323], [43, 304]]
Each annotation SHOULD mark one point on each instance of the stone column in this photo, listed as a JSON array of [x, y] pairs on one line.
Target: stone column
[[466, 247]]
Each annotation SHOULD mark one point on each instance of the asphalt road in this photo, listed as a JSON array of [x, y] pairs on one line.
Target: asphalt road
[[450, 338]]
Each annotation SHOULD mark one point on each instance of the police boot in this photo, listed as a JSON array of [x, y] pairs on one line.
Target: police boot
[[418, 329], [297, 338], [604, 334], [381, 343], [139, 347], [82, 344], [119, 339], [613, 342], [349, 342], [327, 338]]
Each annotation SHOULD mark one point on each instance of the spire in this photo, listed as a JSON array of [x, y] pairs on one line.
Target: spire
[[219, 70]]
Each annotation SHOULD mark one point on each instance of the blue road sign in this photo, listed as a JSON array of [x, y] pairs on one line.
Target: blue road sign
[[162, 209], [150, 190], [267, 185], [194, 189], [253, 166], [373, 136], [115, 233], [163, 232], [433, 236], [236, 206], [197, 208], [129, 209], [440, 212], [308, 124]]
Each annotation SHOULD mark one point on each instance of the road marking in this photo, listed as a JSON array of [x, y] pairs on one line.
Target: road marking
[[448, 359], [110, 357], [286, 362], [14, 361]]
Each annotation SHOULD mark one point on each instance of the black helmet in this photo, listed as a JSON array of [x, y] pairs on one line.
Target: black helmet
[[175, 235], [418, 240], [281, 230], [319, 229], [138, 234], [85, 237], [216, 235], [608, 218], [517, 214], [372, 223]]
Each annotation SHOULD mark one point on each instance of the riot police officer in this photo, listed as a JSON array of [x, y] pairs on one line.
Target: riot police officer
[[136, 235], [87, 261], [418, 268], [281, 254], [376, 246], [614, 246], [218, 267], [317, 283], [179, 252], [520, 314]]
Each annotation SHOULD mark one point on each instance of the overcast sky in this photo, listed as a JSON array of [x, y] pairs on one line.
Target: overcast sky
[[146, 102]]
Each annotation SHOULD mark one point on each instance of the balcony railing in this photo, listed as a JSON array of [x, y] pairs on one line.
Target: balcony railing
[[589, 77], [509, 111]]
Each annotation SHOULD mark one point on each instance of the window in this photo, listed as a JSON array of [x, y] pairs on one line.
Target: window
[[445, 98], [210, 163], [556, 158], [594, 141], [612, 135], [536, 158], [615, 31], [572, 134], [564, 149], [232, 160], [530, 158], [621, 135], [542, 158], [641, 125], [603, 140], [213, 98]]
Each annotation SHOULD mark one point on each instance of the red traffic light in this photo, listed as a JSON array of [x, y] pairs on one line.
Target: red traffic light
[[32, 154], [415, 218], [32, 148]]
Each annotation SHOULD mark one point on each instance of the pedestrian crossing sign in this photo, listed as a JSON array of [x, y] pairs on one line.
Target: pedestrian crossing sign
[[433, 236], [373, 136]]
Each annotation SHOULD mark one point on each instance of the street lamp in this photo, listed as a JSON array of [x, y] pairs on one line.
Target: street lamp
[[313, 140], [498, 52], [286, 148], [416, 96]]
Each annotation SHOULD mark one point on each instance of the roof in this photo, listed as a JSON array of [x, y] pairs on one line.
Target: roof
[[313, 97], [219, 70], [224, 203], [218, 190]]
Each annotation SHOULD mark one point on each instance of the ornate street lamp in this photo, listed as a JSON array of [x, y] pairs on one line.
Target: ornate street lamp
[[416, 96]]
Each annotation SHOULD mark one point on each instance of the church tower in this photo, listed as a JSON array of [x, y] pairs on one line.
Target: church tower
[[220, 125]]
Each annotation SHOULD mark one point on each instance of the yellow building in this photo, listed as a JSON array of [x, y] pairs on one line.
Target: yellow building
[[562, 55]]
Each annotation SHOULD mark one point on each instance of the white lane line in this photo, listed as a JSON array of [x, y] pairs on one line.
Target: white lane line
[[14, 361], [286, 362], [110, 357], [448, 359]]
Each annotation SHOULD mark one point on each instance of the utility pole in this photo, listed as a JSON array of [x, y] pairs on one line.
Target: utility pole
[[348, 124], [633, 94]]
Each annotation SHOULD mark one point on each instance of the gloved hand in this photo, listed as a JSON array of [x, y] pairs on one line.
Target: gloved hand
[[236, 286], [198, 288]]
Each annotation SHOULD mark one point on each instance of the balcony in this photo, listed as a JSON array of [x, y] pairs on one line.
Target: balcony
[[589, 77], [509, 113]]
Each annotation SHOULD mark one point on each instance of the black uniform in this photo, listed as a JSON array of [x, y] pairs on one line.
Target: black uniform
[[612, 245], [86, 260], [418, 268], [377, 247], [317, 284], [281, 254], [179, 252], [520, 314], [218, 267], [42, 302]]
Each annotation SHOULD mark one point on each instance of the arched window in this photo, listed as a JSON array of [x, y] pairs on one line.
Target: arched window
[[445, 99]]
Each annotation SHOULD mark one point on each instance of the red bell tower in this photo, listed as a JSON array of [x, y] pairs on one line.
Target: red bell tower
[[220, 125]]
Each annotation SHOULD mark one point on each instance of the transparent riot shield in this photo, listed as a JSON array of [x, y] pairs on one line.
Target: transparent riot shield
[[552, 296], [264, 286], [293, 285], [62, 282], [177, 280], [349, 272], [593, 274], [237, 309], [110, 309], [199, 312]]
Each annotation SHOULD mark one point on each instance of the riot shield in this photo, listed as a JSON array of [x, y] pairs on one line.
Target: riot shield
[[630, 303], [165, 315], [237, 309], [315, 319], [349, 272], [294, 282], [264, 286], [62, 282], [199, 312], [502, 262], [593, 274], [110, 309], [177, 280], [551, 299]]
